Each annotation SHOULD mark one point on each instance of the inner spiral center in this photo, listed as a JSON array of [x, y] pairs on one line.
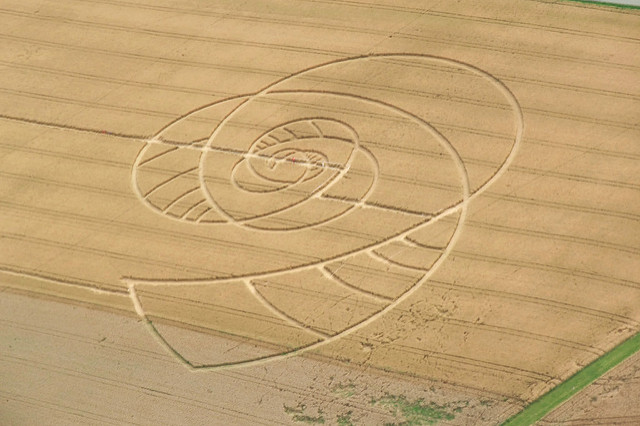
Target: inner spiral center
[[307, 152], [287, 164]]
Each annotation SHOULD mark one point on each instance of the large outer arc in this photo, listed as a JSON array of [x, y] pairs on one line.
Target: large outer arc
[[462, 207]]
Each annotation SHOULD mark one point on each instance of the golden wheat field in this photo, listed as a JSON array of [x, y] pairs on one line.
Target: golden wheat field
[[340, 212]]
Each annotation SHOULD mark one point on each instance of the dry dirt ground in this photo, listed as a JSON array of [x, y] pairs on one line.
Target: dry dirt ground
[[610, 400], [265, 206], [97, 367]]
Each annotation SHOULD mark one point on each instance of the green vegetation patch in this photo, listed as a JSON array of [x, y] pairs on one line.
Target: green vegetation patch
[[298, 414], [303, 418], [419, 412], [344, 390], [606, 3], [345, 419]]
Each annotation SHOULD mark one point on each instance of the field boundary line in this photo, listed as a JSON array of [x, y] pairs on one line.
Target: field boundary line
[[606, 3], [574, 384]]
